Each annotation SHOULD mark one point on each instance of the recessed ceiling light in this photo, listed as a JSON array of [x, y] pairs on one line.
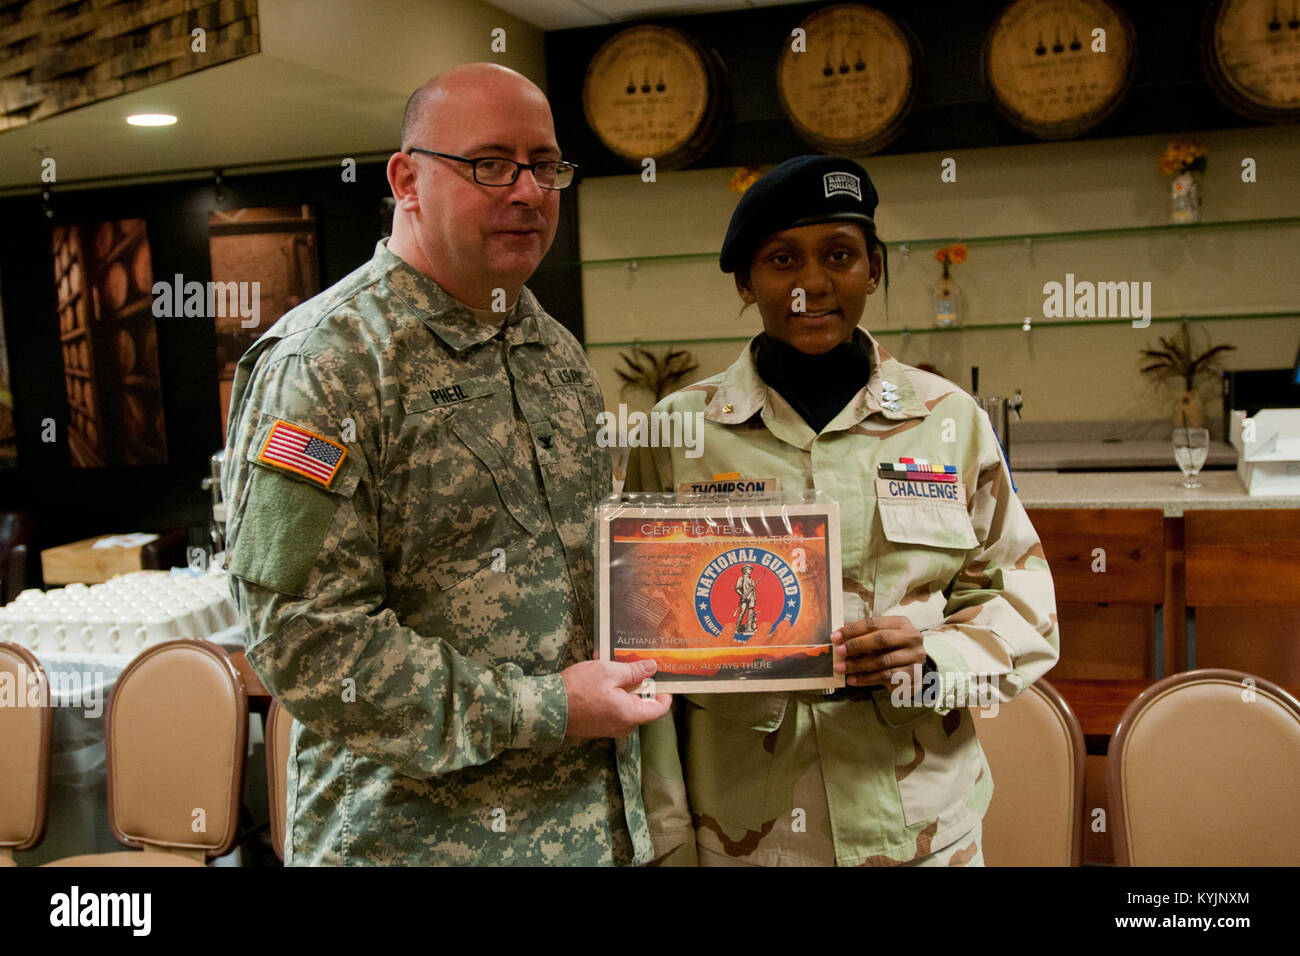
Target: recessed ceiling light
[[151, 119]]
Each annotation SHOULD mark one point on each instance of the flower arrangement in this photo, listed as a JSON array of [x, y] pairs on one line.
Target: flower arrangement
[[1182, 156], [744, 177], [656, 373], [953, 255], [1180, 359]]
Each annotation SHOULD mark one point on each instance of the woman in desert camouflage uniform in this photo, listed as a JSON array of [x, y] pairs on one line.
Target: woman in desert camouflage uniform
[[961, 593]]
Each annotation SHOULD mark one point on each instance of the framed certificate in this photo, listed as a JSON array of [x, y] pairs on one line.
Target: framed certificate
[[739, 597]]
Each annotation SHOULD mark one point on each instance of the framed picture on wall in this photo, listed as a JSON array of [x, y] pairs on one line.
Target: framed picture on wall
[[103, 283], [271, 252]]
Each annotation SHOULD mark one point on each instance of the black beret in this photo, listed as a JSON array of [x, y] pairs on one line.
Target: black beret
[[798, 192]]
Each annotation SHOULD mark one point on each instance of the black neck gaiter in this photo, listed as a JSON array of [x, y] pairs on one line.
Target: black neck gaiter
[[816, 386]]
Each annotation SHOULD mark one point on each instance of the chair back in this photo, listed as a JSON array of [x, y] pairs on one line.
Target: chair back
[[1034, 747], [1204, 770], [279, 738], [26, 726], [176, 747]]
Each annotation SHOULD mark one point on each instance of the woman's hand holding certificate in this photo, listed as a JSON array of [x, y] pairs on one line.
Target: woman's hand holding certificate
[[873, 650]]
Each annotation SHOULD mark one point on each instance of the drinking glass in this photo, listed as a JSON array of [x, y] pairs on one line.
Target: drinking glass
[[1191, 445]]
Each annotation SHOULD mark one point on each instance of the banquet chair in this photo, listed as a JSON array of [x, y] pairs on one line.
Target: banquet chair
[[1203, 770], [176, 745], [1034, 746], [25, 731], [279, 738]]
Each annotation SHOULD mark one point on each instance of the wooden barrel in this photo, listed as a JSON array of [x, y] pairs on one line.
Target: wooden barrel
[[849, 82], [655, 92], [1251, 53], [1050, 74]]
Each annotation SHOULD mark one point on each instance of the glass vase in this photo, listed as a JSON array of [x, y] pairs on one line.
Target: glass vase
[[1185, 199], [947, 303]]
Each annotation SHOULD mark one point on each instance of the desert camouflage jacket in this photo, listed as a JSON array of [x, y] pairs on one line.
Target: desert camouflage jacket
[[410, 494], [858, 777]]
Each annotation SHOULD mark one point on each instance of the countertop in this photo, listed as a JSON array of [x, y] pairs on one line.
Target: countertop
[[1101, 455], [1139, 489]]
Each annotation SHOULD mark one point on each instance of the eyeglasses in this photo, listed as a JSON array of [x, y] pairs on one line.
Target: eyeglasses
[[499, 171]]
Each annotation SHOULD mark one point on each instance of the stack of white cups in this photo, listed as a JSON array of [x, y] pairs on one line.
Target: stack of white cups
[[121, 616]]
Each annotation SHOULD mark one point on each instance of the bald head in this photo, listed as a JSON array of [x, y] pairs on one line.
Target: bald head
[[477, 80], [471, 237]]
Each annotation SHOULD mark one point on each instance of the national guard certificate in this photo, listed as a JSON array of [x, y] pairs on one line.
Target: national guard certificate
[[723, 597]]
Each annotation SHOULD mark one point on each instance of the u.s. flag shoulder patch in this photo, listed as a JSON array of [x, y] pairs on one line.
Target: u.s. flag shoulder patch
[[303, 452]]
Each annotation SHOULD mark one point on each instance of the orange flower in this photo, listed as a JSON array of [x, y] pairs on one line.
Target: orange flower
[[941, 255], [1181, 155], [744, 177], [957, 253]]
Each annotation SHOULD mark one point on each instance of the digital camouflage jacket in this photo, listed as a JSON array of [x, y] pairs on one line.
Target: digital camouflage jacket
[[409, 496]]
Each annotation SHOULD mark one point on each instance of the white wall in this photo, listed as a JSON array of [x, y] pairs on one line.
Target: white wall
[[1077, 373]]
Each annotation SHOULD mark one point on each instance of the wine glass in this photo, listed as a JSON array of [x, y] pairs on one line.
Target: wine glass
[[1191, 446]]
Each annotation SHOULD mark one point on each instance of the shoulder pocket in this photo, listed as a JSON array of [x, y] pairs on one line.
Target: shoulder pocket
[[279, 523], [282, 528]]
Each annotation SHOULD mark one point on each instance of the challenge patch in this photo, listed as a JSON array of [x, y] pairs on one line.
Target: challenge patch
[[901, 489], [303, 452], [744, 585], [835, 183]]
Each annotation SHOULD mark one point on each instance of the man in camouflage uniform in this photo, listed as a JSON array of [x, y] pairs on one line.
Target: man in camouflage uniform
[[410, 479]]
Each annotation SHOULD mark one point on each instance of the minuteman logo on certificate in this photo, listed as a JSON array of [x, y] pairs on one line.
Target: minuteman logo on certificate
[[739, 597]]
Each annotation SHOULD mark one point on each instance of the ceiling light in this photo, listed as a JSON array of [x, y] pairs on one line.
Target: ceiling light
[[151, 119]]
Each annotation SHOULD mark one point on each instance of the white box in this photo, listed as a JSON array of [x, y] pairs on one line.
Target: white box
[[1269, 464]]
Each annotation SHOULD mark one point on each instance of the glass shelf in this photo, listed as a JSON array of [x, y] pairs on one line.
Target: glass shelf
[[1017, 326], [1030, 237]]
